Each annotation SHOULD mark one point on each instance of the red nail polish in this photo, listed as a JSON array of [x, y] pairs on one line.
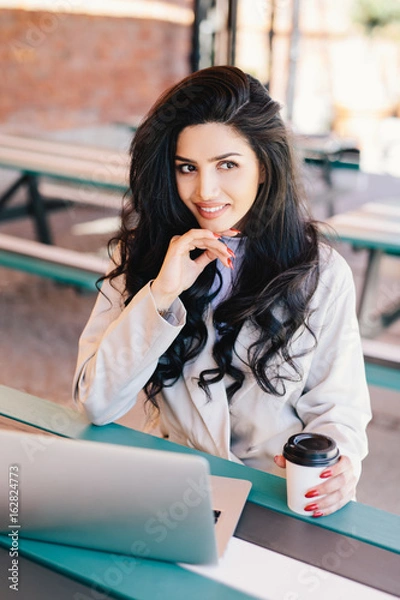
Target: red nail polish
[[230, 263], [235, 230], [311, 507], [312, 494], [326, 474], [216, 235], [317, 513], [231, 252]]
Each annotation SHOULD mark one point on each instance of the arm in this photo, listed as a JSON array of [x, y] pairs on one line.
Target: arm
[[335, 401], [120, 346], [119, 350]]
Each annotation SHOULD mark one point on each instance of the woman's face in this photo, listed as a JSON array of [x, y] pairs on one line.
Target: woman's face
[[217, 174]]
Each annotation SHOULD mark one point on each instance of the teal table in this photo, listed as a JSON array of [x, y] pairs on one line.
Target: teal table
[[375, 228], [74, 165], [374, 533]]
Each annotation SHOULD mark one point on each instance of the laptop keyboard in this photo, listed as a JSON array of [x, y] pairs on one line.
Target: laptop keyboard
[[217, 514]]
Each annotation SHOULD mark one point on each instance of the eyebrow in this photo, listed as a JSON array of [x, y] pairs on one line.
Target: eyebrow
[[213, 159]]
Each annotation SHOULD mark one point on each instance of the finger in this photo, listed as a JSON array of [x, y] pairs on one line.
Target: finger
[[209, 255], [214, 249], [280, 461], [230, 232], [203, 260], [203, 239], [337, 491], [333, 477], [331, 502], [195, 236], [343, 465]]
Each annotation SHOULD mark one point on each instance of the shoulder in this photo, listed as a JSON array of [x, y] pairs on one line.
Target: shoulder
[[335, 275], [332, 265]]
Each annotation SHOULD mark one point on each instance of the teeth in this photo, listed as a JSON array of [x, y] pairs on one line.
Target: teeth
[[212, 209]]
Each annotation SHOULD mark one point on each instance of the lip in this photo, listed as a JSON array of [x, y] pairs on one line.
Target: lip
[[211, 211]]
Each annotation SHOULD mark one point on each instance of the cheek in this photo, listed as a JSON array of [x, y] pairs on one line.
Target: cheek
[[247, 180], [245, 192]]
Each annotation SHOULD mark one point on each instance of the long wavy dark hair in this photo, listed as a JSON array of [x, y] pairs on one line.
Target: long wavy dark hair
[[279, 272]]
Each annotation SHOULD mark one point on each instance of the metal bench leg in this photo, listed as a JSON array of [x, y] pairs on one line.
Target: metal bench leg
[[38, 211], [5, 197], [369, 319], [327, 177]]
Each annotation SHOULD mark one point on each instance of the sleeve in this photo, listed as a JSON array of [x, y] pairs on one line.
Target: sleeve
[[336, 400], [119, 349]]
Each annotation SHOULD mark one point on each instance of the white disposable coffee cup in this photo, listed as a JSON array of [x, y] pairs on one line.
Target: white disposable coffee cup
[[307, 456]]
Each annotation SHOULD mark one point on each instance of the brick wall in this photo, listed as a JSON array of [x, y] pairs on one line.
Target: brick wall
[[62, 70]]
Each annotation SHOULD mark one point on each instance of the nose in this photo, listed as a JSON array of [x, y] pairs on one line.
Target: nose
[[207, 185]]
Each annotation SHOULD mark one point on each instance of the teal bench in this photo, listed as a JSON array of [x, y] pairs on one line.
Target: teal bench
[[382, 364], [385, 375], [60, 264]]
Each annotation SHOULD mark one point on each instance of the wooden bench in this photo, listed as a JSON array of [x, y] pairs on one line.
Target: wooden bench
[[374, 227], [61, 264], [71, 173]]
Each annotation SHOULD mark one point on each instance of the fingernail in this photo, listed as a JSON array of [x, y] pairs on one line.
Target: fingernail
[[230, 263], [231, 252], [311, 507], [312, 494], [216, 235], [235, 230], [317, 513], [326, 474]]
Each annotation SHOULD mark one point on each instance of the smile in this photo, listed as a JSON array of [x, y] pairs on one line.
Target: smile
[[211, 212], [212, 209]]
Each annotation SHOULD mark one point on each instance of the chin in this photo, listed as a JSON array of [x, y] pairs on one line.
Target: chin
[[215, 227]]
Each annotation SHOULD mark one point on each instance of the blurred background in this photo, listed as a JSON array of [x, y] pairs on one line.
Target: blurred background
[[334, 67], [76, 78]]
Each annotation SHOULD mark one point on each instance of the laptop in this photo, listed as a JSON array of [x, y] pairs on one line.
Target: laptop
[[120, 499]]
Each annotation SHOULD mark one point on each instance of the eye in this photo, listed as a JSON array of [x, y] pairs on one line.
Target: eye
[[185, 168], [228, 164]]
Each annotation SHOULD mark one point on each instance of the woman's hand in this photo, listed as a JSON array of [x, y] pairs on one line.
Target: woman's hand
[[179, 271], [338, 486]]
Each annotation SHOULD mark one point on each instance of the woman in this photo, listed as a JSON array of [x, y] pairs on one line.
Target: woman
[[223, 304]]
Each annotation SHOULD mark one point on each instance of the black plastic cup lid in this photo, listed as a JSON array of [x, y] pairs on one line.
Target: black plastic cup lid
[[311, 449]]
